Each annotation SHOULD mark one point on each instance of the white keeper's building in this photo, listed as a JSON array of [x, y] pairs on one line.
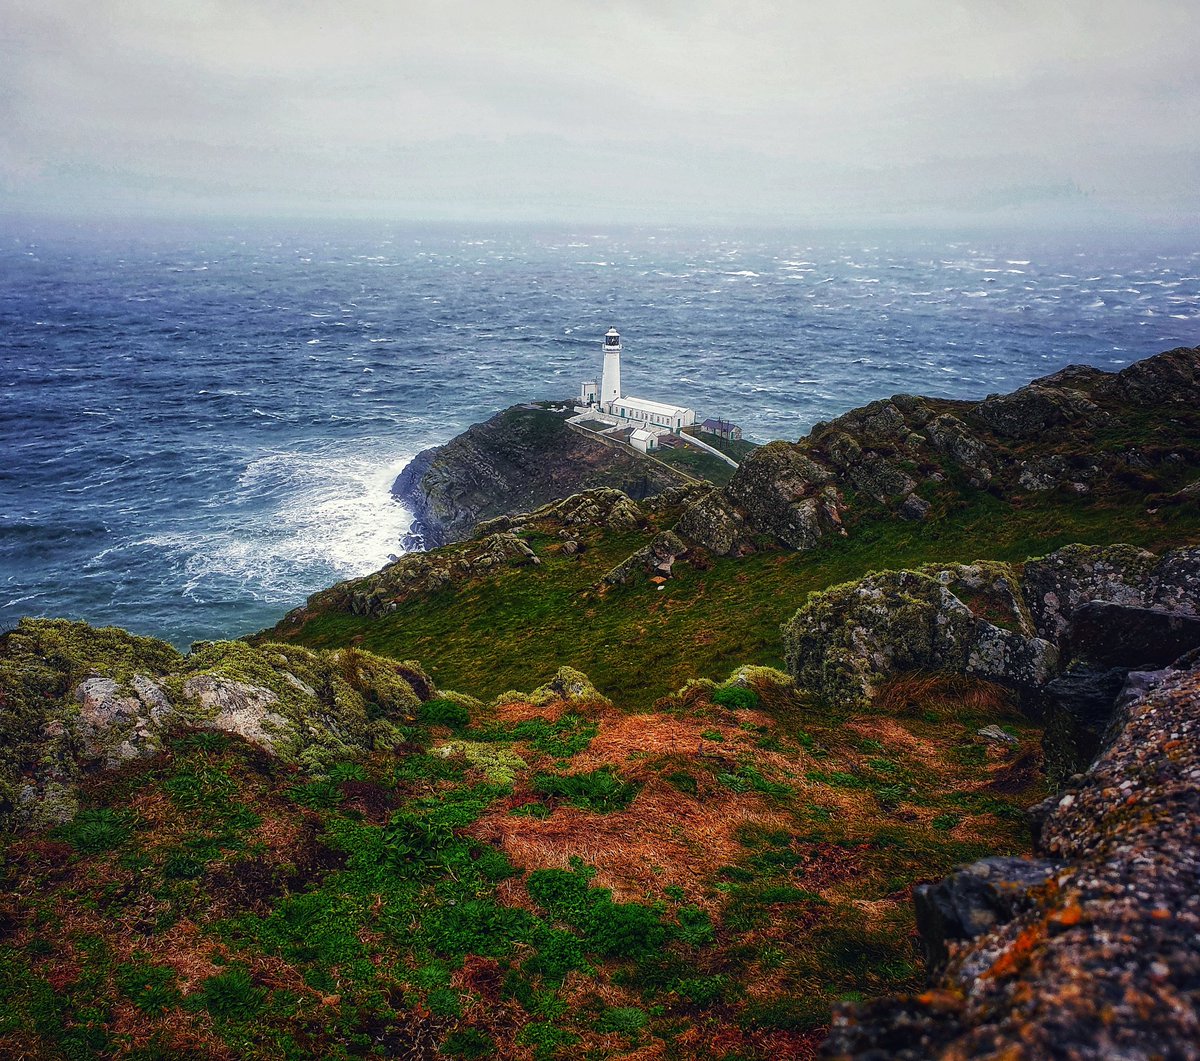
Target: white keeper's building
[[647, 417]]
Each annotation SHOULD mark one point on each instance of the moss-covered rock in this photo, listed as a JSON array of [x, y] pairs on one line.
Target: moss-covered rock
[[567, 684], [988, 619], [1080, 430], [846, 640], [75, 699]]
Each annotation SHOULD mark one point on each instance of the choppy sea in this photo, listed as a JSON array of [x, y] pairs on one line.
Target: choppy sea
[[199, 425]]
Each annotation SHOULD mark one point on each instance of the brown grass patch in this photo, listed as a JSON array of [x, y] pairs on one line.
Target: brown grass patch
[[921, 690], [625, 737], [662, 839], [892, 734]]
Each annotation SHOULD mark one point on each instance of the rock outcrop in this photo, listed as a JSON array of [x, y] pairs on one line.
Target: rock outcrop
[[1097, 954], [1079, 430], [498, 543], [1002, 622], [75, 700], [514, 462], [964, 618]]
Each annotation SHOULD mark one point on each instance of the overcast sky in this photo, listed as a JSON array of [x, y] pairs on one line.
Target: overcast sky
[[657, 110]]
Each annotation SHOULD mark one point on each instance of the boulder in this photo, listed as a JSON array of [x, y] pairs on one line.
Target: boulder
[[658, 556], [1121, 635], [117, 722], [846, 640], [974, 901], [239, 708], [1078, 708]]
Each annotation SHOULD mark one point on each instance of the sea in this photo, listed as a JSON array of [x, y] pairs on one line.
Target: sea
[[200, 422]]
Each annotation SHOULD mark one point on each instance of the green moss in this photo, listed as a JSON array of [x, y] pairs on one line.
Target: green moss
[[498, 763], [443, 712], [736, 698]]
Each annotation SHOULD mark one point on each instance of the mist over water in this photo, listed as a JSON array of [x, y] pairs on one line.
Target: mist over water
[[199, 427]]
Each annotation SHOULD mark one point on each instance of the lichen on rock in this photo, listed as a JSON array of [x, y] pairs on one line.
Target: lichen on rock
[[75, 699], [846, 640]]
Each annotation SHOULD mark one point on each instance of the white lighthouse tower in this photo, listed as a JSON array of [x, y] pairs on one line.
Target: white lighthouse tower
[[610, 381]]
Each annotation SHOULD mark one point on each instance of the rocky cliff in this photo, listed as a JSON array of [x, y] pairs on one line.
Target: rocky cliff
[[514, 462], [1081, 430], [1090, 950]]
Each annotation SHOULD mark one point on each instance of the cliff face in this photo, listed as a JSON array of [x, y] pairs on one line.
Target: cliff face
[[1081, 430], [514, 462]]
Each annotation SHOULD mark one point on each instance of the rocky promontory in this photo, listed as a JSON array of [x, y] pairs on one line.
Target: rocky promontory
[[1081, 431], [514, 462]]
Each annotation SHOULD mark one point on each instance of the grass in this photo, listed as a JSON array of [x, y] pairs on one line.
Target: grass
[[514, 628], [667, 896]]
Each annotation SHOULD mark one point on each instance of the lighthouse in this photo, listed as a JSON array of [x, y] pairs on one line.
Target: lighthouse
[[610, 381]]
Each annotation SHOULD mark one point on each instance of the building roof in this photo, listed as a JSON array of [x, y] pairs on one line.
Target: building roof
[[647, 406], [642, 436], [718, 425]]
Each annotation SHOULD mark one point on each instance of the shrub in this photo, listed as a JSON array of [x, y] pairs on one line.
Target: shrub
[[702, 990], [601, 790], [409, 839], [626, 930], [340, 772], [200, 784], [232, 994], [736, 698], [478, 926], [319, 795], [443, 712]]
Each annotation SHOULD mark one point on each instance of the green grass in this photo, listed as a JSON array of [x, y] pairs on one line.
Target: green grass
[[515, 628], [696, 463]]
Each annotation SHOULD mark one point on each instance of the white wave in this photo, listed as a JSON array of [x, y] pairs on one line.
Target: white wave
[[297, 521]]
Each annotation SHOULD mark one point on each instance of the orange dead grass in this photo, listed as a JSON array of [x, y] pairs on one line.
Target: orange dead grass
[[906, 692], [662, 839], [624, 737]]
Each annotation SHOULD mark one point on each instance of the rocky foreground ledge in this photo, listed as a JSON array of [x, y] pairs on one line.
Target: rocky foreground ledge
[[1097, 953]]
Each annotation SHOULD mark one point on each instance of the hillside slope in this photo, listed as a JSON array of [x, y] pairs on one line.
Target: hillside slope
[[1081, 430], [484, 614]]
